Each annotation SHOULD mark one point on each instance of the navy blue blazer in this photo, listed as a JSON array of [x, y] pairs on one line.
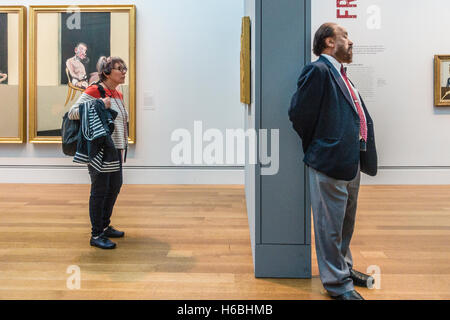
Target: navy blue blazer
[[323, 115]]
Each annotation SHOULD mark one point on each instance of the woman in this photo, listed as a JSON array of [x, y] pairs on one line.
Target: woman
[[105, 186]]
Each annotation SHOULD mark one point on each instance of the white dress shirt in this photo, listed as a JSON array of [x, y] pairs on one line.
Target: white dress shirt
[[337, 65]]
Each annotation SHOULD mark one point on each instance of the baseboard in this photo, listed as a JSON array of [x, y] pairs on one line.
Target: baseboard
[[409, 176], [205, 175], [132, 175]]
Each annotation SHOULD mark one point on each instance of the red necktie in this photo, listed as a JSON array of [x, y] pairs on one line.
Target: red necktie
[[362, 118]]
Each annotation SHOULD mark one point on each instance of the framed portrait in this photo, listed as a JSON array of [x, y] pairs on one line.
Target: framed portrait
[[66, 43], [13, 74], [245, 61], [442, 80]]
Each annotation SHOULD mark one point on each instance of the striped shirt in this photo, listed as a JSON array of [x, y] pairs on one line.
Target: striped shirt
[[120, 134]]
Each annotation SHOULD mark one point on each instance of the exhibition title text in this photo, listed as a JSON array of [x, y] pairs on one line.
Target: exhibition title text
[[344, 9]]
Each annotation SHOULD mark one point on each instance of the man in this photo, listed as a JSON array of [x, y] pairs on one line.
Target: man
[[338, 141], [76, 68]]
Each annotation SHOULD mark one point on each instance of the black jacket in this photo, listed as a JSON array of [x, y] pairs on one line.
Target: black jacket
[[323, 115]]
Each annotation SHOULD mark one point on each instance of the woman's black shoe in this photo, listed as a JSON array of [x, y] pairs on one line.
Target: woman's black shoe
[[110, 232], [102, 242]]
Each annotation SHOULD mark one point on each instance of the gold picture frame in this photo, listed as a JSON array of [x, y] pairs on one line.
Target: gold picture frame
[[442, 80], [51, 92], [13, 82], [246, 61]]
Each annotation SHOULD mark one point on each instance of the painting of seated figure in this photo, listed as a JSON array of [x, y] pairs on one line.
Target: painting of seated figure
[[66, 45], [12, 74]]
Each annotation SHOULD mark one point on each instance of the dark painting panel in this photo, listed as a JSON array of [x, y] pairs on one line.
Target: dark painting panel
[[94, 30], [4, 46]]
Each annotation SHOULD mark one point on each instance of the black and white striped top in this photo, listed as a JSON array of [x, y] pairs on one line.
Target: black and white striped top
[[120, 133]]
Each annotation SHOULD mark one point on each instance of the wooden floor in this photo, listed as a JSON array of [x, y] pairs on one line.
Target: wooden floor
[[193, 242]]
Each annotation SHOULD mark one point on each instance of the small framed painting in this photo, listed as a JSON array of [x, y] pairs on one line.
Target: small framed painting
[[245, 61], [442, 80]]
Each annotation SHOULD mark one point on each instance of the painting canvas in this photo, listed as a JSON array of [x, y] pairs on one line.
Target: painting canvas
[[245, 62], [82, 47], [4, 48], [442, 80], [67, 43], [12, 74]]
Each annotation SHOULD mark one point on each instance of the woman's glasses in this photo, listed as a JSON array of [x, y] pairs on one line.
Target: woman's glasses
[[121, 69]]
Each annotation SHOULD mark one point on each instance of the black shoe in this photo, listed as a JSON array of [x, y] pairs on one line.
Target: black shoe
[[361, 279], [110, 232], [102, 242], [349, 295]]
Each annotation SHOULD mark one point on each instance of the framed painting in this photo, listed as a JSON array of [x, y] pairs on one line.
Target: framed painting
[[13, 76], [245, 62], [442, 80], [66, 43]]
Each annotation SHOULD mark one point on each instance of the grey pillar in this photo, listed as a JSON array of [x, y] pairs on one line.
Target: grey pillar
[[278, 205]]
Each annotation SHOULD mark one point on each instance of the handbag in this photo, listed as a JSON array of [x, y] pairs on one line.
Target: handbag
[[69, 135]]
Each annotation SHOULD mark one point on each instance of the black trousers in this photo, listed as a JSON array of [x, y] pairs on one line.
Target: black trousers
[[105, 187]]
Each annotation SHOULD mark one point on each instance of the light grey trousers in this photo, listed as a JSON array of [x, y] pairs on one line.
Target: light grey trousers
[[334, 209]]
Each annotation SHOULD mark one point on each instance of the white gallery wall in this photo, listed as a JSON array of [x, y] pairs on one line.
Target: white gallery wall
[[395, 43], [187, 57], [188, 70]]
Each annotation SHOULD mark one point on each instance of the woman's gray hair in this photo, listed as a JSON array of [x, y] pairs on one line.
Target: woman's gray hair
[[106, 64]]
